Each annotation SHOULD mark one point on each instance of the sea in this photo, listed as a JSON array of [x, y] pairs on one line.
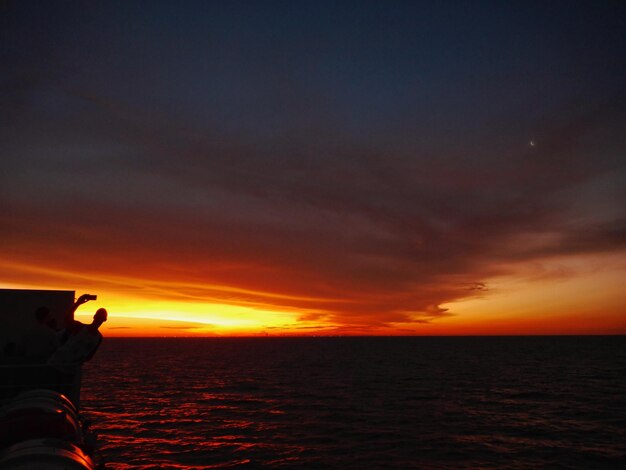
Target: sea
[[359, 402]]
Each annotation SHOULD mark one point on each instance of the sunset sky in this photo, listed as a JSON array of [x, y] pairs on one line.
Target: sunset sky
[[394, 168]]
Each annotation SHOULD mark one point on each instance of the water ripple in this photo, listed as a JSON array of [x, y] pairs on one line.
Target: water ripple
[[359, 402]]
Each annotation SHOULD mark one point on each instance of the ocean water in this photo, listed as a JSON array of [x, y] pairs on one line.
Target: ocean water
[[482, 402]]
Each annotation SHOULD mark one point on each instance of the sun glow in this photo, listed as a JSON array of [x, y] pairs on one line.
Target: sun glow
[[141, 316]]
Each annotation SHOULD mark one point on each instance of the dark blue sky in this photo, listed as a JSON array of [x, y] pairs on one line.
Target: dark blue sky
[[376, 153]]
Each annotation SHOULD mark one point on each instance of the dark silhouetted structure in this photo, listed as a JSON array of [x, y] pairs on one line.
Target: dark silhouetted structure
[[41, 340]]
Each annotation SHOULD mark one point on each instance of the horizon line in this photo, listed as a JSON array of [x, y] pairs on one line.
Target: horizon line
[[368, 336]]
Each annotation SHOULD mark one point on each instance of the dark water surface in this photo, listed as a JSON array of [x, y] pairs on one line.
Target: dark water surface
[[503, 402]]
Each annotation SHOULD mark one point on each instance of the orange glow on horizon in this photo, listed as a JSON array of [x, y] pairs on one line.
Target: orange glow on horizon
[[584, 297]]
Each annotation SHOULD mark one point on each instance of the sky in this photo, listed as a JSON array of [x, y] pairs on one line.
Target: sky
[[318, 168]]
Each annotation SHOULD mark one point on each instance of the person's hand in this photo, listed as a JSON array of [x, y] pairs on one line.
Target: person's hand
[[82, 299]]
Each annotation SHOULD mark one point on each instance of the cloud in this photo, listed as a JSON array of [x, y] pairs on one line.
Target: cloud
[[357, 238], [318, 208]]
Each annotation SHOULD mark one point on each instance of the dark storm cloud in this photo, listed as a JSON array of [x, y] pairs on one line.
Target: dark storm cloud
[[349, 166]]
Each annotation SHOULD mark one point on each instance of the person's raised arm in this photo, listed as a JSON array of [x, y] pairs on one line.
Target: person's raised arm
[[69, 316]]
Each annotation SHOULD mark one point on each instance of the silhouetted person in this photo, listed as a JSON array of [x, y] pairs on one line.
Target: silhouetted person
[[70, 323], [40, 341], [52, 323], [79, 342]]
